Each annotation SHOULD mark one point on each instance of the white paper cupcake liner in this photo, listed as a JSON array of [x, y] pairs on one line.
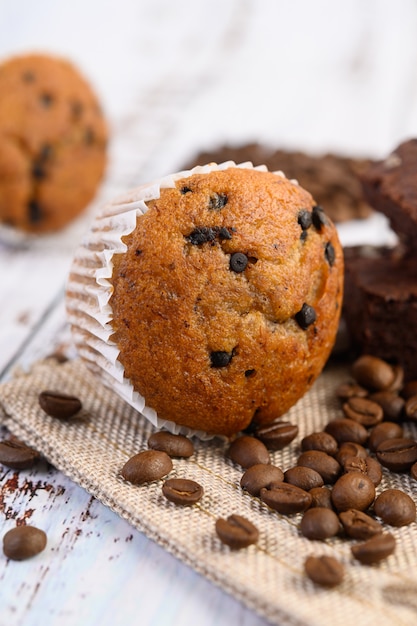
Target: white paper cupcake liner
[[89, 289]]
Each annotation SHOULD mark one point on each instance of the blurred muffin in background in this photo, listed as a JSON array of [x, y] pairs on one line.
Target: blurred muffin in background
[[53, 139], [332, 180]]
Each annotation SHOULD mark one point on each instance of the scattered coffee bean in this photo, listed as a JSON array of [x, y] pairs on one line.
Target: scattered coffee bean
[[238, 262], [147, 466], [23, 542], [398, 455], [236, 532], [409, 389], [306, 316], [320, 441], [395, 507], [382, 432], [391, 403], [276, 435], [182, 491], [17, 455], [373, 373], [173, 445], [260, 475], [319, 523], [353, 491], [413, 471], [369, 466], [303, 477], [359, 525], [344, 429], [364, 411], [351, 390], [375, 549], [398, 382], [410, 408], [220, 358], [328, 468], [286, 498], [59, 405], [325, 571], [321, 497], [319, 217], [247, 451], [347, 449]]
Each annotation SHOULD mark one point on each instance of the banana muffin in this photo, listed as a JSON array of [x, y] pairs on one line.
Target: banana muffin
[[52, 143], [216, 303]]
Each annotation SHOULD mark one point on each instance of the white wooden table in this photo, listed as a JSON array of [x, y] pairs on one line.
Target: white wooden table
[[176, 77]]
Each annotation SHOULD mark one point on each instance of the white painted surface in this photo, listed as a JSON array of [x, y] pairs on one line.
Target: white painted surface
[[176, 77]]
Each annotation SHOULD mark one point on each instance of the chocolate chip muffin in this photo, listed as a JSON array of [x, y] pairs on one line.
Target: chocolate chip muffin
[[52, 143], [218, 301]]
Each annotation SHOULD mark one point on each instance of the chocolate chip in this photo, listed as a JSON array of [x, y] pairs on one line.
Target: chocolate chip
[[217, 201], [249, 373], [329, 253], [185, 190], [236, 532], [59, 405], [76, 109], [46, 99], [304, 235], [182, 491], [23, 542], [224, 234], [38, 170], [202, 235], [306, 316], [220, 358], [305, 219], [138, 252], [45, 152], [89, 136], [238, 262], [35, 213], [28, 77], [319, 217]]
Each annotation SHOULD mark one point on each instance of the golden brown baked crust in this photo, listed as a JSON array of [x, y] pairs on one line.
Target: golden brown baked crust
[[52, 143], [212, 340]]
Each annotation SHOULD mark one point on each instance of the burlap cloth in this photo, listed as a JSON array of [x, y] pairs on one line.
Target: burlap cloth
[[268, 577]]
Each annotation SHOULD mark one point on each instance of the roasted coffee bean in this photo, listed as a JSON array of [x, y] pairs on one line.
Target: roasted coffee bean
[[325, 571], [359, 525], [373, 373], [413, 471], [319, 441], [285, 498], [276, 435], [303, 477], [23, 542], [59, 405], [364, 411], [398, 455], [305, 219], [236, 532], [382, 432], [353, 491], [182, 491], [375, 549], [345, 429], [220, 358], [238, 262], [347, 449], [321, 497], [351, 390], [409, 389], [173, 445], [319, 217], [260, 475], [395, 507], [306, 316], [247, 451], [369, 466], [17, 455], [146, 466], [410, 409], [319, 523], [398, 381], [391, 403], [328, 468]]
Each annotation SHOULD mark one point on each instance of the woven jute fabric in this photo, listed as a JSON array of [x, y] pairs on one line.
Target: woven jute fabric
[[269, 576]]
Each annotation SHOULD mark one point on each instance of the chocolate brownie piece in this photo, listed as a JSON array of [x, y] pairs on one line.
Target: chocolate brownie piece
[[332, 180], [380, 305], [390, 186]]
